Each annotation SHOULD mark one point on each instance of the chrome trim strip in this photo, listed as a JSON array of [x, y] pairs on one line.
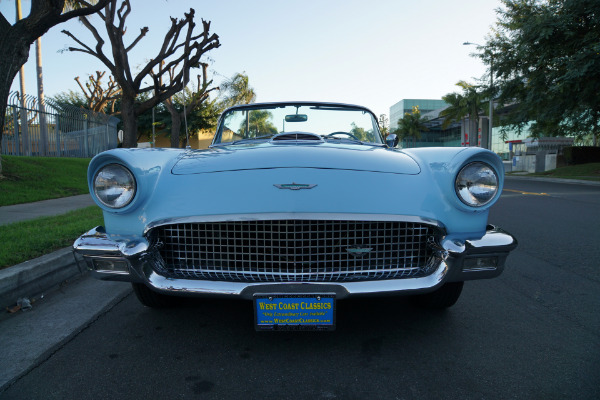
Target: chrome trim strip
[[309, 274], [294, 186], [480, 269], [96, 243], [494, 237], [294, 216], [247, 289], [108, 272]]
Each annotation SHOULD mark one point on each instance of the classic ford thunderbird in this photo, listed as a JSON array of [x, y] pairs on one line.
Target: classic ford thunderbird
[[296, 205]]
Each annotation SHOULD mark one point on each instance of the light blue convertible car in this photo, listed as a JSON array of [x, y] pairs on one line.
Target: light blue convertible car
[[296, 205]]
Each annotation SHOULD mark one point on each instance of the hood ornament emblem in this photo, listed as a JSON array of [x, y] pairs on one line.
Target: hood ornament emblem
[[294, 186], [359, 251]]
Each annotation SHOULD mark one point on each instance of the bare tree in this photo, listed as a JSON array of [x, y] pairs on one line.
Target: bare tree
[[193, 99], [98, 97], [16, 40], [181, 50]]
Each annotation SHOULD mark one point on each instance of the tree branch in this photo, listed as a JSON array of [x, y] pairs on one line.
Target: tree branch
[[97, 97], [4, 24], [123, 17], [122, 71], [180, 50], [79, 42], [164, 52], [143, 32], [89, 9]]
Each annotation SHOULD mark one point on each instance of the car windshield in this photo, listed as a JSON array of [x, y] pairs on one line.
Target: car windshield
[[330, 121]]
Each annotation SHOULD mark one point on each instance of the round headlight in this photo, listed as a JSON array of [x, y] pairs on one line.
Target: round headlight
[[114, 186], [476, 184]]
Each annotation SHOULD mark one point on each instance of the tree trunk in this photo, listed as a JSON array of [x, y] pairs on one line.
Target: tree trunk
[[129, 122], [14, 52], [15, 40], [175, 122], [595, 128], [175, 130]]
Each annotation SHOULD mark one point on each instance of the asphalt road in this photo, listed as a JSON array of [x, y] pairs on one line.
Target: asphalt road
[[533, 333]]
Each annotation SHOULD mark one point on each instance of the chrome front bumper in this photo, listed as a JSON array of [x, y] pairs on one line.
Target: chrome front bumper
[[132, 260]]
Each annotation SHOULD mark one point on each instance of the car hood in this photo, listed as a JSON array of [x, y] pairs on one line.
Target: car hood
[[322, 156]]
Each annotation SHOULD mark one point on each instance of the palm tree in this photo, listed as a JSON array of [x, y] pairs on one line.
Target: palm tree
[[411, 125], [258, 124], [466, 104], [237, 91]]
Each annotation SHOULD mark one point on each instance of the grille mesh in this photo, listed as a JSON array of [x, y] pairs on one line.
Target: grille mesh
[[293, 250]]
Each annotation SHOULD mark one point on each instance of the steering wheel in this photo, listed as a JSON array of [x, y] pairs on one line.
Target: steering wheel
[[343, 133]]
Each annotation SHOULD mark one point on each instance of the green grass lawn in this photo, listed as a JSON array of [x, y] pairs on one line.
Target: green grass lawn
[[25, 240], [27, 179], [590, 171]]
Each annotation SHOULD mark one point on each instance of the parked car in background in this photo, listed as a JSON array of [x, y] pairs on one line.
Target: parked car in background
[[294, 206]]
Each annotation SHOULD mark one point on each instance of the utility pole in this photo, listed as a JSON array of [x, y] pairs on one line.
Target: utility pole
[[43, 146], [22, 71], [24, 130]]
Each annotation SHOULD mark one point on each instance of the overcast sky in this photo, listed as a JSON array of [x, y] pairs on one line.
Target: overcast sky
[[373, 53]]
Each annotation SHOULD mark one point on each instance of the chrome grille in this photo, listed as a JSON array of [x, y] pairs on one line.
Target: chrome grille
[[293, 250]]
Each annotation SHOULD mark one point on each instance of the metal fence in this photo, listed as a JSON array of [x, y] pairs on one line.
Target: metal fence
[[49, 129]]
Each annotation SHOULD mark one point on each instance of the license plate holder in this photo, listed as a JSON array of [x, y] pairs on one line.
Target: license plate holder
[[294, 312]]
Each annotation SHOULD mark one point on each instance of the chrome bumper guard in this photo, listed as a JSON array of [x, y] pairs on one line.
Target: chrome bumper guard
[[131, 261]]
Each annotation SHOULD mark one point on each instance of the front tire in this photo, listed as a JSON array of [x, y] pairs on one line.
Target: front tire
[[444, 297], [152, 299]]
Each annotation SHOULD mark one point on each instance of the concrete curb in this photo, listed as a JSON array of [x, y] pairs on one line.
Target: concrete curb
[[34, 277], [553, 180]]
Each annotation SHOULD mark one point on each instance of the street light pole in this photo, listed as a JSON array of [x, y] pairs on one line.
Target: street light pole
[[491, 112], [491, 100]]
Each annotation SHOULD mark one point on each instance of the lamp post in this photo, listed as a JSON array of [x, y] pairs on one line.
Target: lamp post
[[491, 92]]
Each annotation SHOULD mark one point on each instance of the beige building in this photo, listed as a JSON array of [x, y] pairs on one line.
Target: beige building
[[199, 141]]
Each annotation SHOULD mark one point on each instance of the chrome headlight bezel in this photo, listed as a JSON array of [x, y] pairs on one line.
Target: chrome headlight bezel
[[477, 184], [114, 186]]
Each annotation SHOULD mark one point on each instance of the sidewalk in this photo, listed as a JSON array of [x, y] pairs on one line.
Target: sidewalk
[[26, 211], [35, 277], [66, 299]]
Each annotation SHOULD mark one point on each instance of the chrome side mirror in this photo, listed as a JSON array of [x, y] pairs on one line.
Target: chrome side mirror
[[392, 140]]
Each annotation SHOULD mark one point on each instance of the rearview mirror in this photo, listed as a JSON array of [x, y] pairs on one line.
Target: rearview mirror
[[296, 118]]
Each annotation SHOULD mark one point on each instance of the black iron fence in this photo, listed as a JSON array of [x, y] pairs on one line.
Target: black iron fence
[[34, 128]]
